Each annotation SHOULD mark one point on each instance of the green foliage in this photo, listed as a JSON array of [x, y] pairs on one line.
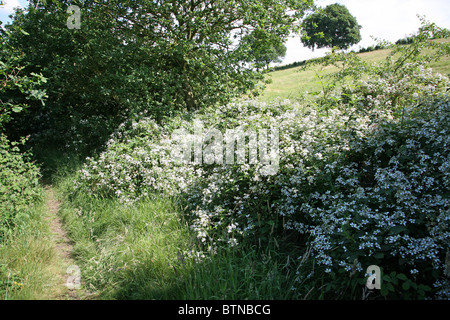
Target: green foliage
[[359, 189], [241, 273], [155, 56], [10, 281], [28, 261], [330, 27], [370, 207], [398, 282], [19, 185], [148, 251], [363, 178], [19, 178], [265, 48], [384, 164], [17, 88], [396, 81], [126, 252]]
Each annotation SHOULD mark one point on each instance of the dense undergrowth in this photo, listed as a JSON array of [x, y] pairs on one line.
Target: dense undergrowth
[[357, 190], [362, 179], [359, 177], [19, 187]]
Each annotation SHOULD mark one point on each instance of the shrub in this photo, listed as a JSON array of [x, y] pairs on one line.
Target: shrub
[[19, 185], [19, 178], [363, 178], [378, 196], [359, 190]]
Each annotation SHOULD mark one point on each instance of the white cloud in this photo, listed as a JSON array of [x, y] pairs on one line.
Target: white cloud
[[9, 6]]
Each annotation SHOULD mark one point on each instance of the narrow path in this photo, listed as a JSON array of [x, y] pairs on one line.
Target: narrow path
[[63, 249]]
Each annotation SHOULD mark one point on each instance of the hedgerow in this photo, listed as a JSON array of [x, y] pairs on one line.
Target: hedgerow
[[363, 178], [19, 177], [19, 185], [359, 191]]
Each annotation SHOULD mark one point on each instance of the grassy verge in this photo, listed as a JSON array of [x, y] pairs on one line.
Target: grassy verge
[[241, 273], [125, 252], [28, 263]]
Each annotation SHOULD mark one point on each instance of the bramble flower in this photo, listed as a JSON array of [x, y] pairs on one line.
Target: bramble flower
[[360, 184]]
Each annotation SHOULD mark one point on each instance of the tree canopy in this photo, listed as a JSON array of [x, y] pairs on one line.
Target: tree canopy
[[265, 48], [16, 88], [330, 27], [155, 56]]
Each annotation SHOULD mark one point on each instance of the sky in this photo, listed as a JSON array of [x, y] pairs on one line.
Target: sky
[[8, 6], [383, 19]]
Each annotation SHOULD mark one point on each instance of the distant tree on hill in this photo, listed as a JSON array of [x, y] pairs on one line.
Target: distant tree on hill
[[330, 27], [265, 48]]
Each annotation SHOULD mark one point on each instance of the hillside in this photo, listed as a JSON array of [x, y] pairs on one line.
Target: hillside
[[292, 83]]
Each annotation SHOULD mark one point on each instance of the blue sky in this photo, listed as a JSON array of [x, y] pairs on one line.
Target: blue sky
[[384, 19], [8, 6]]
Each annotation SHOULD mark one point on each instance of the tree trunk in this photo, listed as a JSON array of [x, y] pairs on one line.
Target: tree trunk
[[189, 95]]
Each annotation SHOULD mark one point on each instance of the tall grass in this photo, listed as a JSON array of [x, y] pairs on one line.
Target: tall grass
[[28, 263], [241, 273], [125, 252], [141, 252]]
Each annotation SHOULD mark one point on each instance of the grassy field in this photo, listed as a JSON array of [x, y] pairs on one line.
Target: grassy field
[[293, 83]]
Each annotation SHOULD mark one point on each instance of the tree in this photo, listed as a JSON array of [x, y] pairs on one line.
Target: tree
[[151, 55], [331, 27], [265, 48], [17, 89]]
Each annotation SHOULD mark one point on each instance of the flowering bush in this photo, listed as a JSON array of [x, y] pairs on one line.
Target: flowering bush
[[379, 196], [363, 180], [360, 191]]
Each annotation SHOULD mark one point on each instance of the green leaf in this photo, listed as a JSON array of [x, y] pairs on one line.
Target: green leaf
[[398, 229], [406, 285], [379, 255], [424, 287], [390, 287], [384, 291], [401, 276], [17, 109]]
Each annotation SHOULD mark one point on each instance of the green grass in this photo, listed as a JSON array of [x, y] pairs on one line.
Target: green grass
[[138, 252], [28, 263], [126, 251], [241, 273], [293, 83]]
